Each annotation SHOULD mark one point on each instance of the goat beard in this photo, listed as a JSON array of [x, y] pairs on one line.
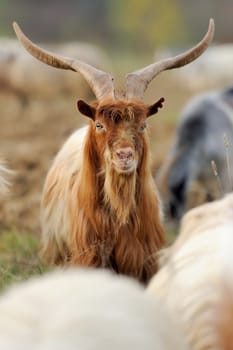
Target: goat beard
[[119, 193]]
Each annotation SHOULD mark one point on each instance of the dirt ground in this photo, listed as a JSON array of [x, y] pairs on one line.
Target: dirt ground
[[30, 135], [33, 130]]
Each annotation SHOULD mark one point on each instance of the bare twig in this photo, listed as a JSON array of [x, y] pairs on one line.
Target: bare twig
[[226, 143], [215, 172]]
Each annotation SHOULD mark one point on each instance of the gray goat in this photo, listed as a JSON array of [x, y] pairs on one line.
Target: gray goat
[[204, 137]]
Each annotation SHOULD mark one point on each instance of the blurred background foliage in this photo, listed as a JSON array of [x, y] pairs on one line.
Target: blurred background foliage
[[146, 24], [133, 24]]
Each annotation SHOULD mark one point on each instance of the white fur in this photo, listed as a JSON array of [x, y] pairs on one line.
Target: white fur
[[55, 216], [190, 283], [85, 310]]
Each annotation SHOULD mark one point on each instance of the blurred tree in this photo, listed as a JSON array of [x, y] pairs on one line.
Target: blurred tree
[[56, 20], [147, 24], [139, 25], [198, 12]]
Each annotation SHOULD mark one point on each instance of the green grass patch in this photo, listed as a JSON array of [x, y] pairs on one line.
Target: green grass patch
[[18, 257]]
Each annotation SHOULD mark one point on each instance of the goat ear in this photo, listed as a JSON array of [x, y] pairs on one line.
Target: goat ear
[[153, 109], [86, 109]]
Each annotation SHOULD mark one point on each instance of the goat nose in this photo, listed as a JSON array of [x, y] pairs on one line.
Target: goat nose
[[125, 153]]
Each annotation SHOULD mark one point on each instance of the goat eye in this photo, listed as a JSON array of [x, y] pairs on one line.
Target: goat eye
[[99, 126], [142, 127]]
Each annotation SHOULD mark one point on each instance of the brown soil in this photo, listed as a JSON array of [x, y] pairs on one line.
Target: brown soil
[[31, 133]]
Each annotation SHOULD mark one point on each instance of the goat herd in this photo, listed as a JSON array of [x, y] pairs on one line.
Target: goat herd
[[100, 209]]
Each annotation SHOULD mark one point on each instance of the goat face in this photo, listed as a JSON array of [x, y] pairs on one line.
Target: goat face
[[119, 130]]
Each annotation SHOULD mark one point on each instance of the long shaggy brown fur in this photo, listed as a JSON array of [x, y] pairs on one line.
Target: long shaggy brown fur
[[111, 218]]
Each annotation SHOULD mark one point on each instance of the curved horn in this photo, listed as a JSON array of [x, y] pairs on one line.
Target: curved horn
[[137, 82], [100, 82]]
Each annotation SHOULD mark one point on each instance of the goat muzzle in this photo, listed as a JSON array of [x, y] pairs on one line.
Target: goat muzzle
[[124, 160]]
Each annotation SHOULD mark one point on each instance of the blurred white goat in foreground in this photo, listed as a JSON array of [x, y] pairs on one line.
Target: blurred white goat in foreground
[[84, 309], [196, 281]]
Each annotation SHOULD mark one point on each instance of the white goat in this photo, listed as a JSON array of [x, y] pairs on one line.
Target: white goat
[[197, 275], [213, 69], [84, 309], [20, 73]]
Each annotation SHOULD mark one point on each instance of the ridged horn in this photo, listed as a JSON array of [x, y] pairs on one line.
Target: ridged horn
[[100, 82], [137, 82]]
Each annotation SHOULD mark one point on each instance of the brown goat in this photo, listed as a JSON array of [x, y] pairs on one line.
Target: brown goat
[[111, 196], [100, 205]]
